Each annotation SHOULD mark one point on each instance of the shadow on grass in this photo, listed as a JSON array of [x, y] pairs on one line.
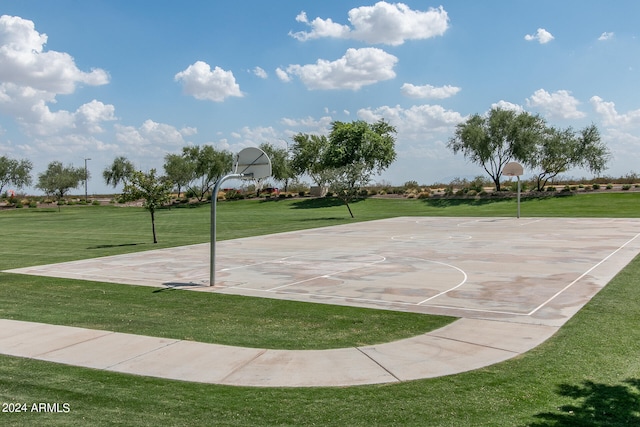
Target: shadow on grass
[[321, 202], [597, 405], [451, 202], [115, 246], [172, 286]]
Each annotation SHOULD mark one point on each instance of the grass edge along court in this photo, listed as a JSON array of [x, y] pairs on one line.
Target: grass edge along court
[[587, 373]]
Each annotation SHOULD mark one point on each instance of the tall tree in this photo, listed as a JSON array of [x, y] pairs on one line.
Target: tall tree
[[308, 156], [15, 172], [209, 165], [280, 165], [153, 190], [357, 150], [179, 170], [562, 149], [58, 179], [120, 171], [498, 138]]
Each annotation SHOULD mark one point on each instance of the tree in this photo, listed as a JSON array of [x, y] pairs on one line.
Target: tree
[[57, 180], [154, 191], [308, 155], [209, 165], [179, 170], [280, 165], [120, 171], [16, 172], [494, 140], [356, 150], [562, 149]]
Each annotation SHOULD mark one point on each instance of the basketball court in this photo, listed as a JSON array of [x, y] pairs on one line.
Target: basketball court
[[526, 270]]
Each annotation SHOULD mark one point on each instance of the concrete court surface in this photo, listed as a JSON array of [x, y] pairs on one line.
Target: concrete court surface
[[513, 282]]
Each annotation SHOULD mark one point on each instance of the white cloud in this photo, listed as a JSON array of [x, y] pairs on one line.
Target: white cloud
[[152, 138], [428, 91], [542, 36], [90, 116], [610, 117], [199, 81], [282, 75], [260, 72], [605, 36], [417, 122], [506, 105], [560, 104], [309, 124], [357, 68], [32, 77], [384, 23]]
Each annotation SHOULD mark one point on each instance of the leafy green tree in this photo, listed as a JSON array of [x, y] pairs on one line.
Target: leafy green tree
[[498, 138], [208, 165], [357, 150], [16, 172], [307, 155], [562, 149], [179, 170], [58, 179], [281, 169], [120, 171], [153, 190]]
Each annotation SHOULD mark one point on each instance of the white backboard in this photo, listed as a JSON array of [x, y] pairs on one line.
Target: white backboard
[[254, 163], [513, 169]]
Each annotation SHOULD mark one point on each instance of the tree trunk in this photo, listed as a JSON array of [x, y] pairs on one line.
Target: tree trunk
[[153, 225], [349, 207]]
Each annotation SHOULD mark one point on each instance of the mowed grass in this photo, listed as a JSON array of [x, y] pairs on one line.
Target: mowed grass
[[586, 375]]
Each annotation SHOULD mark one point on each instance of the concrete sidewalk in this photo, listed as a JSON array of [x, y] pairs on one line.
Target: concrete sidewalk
[[464, 345]]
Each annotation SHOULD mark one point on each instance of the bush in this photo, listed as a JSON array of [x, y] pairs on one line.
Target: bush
[[626, 187], [33, 204], [596, 186], [609, 186], [550, 188], [96, 203]]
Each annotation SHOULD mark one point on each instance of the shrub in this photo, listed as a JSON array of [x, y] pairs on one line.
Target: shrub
[[411, 185], [626, 187], [301, 193], [596, 186], [609, 186], [550, 188], [96, 203], [424, 195], [33, 204]]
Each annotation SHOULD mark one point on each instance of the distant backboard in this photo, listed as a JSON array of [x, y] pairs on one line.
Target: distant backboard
[[513, 169], [253, 163]]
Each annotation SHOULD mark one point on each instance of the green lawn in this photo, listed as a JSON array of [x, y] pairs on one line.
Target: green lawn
[[586, 375]]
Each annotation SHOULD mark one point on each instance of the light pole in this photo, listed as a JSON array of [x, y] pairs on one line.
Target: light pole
[[86, 197]]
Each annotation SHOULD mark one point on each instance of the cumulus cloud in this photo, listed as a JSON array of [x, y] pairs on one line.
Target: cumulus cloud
[[605, 36], [357, 68], [282, 75], [382, 23], [542, 36], [152, 137], [506, 105], [428, 91], [32, 77], [560, 104], [201, 82], [416, 122], [611, 117], [260, 72]]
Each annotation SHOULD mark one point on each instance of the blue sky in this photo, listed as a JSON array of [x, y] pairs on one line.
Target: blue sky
[[99, 79]]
